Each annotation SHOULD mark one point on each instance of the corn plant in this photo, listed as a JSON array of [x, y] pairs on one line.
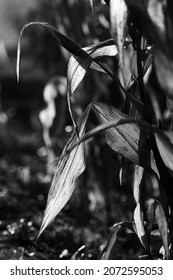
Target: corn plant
[[141, 39]]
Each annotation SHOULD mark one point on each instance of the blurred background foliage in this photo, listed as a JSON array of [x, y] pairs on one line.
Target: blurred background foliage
[[98, 201]]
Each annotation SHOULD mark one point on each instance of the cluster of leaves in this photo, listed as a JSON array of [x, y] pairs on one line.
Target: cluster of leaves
[[142, 134]]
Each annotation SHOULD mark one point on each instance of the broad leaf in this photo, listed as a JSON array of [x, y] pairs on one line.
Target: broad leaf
[[68, 170], [118, 18], [128, 139]]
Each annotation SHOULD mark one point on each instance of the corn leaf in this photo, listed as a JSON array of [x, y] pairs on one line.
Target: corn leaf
[[163, 228], [68, 170], [128, 140], [139, 227], [78, 65], [64, 41], [114, 123], [137, 179], [156, 213], [118, 18], [82, 62], [111, 241]]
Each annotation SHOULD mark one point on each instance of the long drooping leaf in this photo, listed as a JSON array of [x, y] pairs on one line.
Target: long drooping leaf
[[118, 18], [128, 140], [84, 58], [78, 66], [68, 170], [64, 41]]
